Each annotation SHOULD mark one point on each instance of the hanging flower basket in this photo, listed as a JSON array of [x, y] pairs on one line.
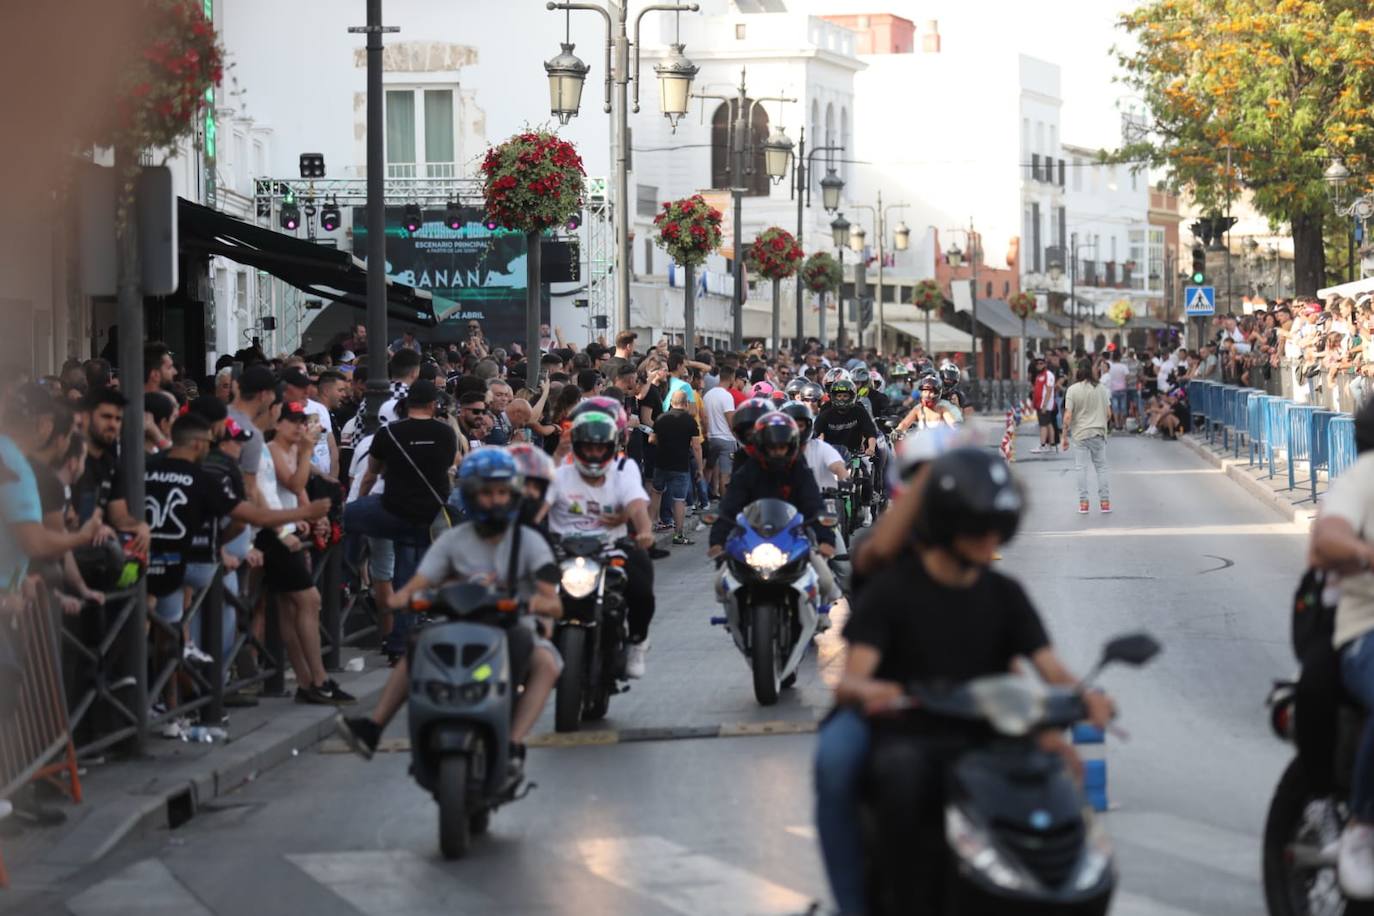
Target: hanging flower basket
[[775, 254], [821, 273], [1120, 312], [927, 296], [532, 182], [688, 229], [163, 88], [1022, 305]]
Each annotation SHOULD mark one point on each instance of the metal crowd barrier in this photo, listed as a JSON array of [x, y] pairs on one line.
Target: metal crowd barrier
[[1258, 408], [1298, 429], [1275, 430], [110, 686], [35, 733], [1239, 418], [1319, 448], [1340, 445]]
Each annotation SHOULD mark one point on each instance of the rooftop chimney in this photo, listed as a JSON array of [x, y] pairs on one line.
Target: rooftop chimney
[[930, 37]]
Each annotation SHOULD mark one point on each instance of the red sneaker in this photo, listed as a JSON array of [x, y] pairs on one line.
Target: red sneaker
[[1106, 506], [1082, 507]]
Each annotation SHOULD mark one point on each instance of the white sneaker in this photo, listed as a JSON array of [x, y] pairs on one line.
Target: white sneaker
[[634, 658], [1355, 863], [6, 808], [193, 653], [175, 729]]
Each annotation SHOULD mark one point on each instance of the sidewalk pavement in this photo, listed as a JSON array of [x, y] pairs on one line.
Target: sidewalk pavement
[[174, 780], [1295, 505]]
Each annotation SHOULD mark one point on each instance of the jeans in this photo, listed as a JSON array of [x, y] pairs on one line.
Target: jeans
[[1357, 671], [841, 754], [673, 484], [368, 517], [198, 578], [1095, 447], [639, 593]]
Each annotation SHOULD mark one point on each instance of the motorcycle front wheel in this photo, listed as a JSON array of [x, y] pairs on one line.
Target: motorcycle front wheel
[[567, 701], [764, 653], [1300, 825], [455, 825]]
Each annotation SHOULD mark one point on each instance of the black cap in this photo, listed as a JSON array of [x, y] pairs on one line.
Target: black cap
[[422, 392], [293, 410], [296, 378], [255, 380]]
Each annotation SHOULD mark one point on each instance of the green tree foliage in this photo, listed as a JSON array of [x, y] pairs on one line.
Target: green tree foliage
[[1283, 84]]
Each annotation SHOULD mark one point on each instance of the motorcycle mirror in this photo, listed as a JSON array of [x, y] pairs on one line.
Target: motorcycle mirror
[[1134, 649]]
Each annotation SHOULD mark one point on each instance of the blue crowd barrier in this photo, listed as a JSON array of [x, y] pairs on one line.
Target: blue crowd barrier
[[1340, 444], [1257, 412], [1275, 430], [1319, 451], [1298, 429], [1197, 401], [1240, 420]]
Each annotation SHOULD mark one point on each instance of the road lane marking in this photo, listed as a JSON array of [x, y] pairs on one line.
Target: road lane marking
[[774, 728], [387, 882], [805, 831], [1170, 531], [1126, 904], [681, 880], [148, 888], [1192, 841]]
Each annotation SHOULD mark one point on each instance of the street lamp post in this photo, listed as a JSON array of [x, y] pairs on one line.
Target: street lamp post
[[1338, 179], [839, 231], [831, 186], [741, 147], [566, 73], [901, 238], [857, 236], [955, 259]]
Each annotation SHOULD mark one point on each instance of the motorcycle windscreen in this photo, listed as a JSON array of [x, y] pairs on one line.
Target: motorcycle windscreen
[[769, 516]]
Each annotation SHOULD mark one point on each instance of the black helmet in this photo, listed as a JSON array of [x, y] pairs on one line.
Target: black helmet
[[594, 430], [931, 381], [923, 367], [843, 394], [746, 415], [802, 415], [794, 388], [774, 429], [970, 491], [949, 376]]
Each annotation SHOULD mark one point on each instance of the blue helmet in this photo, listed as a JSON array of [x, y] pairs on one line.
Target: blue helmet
[[488, 464]]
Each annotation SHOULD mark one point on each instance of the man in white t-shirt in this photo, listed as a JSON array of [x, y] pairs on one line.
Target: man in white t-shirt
[[720, 441], [324, 458], [598, 494], [1116, 384]]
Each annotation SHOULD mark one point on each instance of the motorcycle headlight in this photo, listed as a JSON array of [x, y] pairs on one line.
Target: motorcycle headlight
[[579, 577], [766, 559], [454, 694], [975, 849]]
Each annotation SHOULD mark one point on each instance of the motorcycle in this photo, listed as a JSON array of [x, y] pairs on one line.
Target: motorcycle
[[1309, 808], [1021, 837], [591, 635], [770, 593], [461, 701]]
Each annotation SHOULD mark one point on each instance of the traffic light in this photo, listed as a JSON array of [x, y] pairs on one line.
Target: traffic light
[[1199, 274]]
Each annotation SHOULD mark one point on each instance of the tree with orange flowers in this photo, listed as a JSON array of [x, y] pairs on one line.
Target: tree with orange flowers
[[1283, 85]]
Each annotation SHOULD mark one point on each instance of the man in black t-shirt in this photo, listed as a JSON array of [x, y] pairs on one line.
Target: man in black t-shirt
[[936, 614], [676, 440], [844, 422], [414, 456], [101, 484]]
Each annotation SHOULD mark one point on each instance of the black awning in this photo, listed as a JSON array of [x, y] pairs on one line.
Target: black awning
[[315, 269]]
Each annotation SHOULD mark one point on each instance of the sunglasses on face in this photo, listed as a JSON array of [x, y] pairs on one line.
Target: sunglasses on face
[[476, 410]]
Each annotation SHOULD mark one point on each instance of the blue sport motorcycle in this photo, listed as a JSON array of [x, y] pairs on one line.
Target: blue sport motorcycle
[[770, 593]]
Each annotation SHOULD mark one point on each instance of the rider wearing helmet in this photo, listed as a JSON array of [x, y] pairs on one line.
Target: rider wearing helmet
[[930, 411], [813, 396], [489, 546], [833, 376], [949, 386], [825, 463], [870, 395], [846, 425], [742, 425], [898, 384], [536, 470], [775, 473], [599, 494], [794, 388], [970, 622]]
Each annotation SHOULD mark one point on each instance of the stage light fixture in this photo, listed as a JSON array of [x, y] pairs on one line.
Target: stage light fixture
[[413, 218], [330, 218], [453, 216]]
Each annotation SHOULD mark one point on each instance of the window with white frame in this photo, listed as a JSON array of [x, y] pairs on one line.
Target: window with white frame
[[1077, 173], [1137, 259], [421, 132], [1155, 274]]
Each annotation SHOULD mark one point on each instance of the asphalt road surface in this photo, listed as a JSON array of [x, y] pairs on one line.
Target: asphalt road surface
[[723, 825]]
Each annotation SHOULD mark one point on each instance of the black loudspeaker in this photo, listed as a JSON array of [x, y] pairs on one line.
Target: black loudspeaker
[[562, 261]]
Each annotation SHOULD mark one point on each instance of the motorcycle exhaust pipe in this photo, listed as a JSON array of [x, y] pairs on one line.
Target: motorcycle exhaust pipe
[[1307, 856]]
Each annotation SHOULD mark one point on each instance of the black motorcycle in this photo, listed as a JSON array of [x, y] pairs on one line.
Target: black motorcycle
[[591, 635], [1309, 808], [1020, 836]]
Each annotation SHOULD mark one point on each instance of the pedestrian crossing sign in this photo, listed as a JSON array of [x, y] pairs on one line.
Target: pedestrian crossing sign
[[1199, 301]]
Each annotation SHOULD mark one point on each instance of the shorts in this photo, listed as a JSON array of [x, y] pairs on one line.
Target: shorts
[[381, 561], [719, 452], [284, 571], [169, 608], [1046, 417], [677, 484]]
